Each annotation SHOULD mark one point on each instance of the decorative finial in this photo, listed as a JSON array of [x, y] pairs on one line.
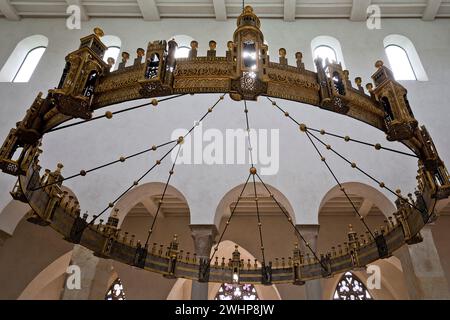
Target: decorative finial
[[248, 9], [125, 56], [140, 52], [111, 61], [282, 52], [212, 45], [194, 44], [379, 64], [98, 32], [358, 81], [230, 45]]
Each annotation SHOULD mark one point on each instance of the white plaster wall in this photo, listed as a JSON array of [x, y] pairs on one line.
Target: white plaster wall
[[302, 177]]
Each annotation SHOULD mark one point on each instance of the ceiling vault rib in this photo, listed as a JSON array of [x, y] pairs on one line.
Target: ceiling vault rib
[[289, 10], [359, 10], [220, 10], [431, 10], [149, 10], [8, 10]]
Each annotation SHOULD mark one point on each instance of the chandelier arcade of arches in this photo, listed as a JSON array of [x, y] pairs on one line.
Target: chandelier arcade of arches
[[245, 73]]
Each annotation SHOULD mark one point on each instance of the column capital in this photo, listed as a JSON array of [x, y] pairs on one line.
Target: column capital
[[308, 228], [203, 236]]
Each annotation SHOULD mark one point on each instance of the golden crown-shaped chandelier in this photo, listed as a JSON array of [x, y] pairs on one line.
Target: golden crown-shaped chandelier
[[245, 73]]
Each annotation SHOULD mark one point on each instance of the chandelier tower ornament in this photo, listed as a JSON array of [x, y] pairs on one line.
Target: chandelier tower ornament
[[245, 73]]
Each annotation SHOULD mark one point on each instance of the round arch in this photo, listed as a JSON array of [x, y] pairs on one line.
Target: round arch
[[52, 272], [223, 207], [364, 190], [18, 55], [143, 193]]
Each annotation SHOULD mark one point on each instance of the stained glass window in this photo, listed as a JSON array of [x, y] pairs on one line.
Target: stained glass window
[[115, 292], [237, 292], [351, 288]]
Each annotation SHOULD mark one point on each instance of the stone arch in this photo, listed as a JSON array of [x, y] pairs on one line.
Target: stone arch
[[143, 193], [49, 274], [369, 193], [224, 205]]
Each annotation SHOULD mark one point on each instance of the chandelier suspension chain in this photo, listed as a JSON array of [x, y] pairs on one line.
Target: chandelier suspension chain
[[340, 186], [158, 162], [229, 220], [154, 102], [355, 166], [171, 172], [291, 222], [250, 148], [309, 134], [377, 146], [121, 159], [135, 183], [259, 223], [272, 196]]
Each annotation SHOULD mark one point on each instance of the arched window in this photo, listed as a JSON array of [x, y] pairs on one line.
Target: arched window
[[400, 63], [113, 43], [404, 59], [327, 47], [184, 45], [115, 292], [351, 288], [237, 292], [24, 59], [325, 53]]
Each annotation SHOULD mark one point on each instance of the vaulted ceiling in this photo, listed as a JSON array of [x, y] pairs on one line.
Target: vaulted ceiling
[[288, 10]]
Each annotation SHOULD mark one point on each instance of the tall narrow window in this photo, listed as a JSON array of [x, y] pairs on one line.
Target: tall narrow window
[[29, 64], [400, 63], [237, 292], [403, 58], [351, 288], [112, 52], [115, 292], [325, 53], [24, 59], [326, 47], [184, 45], [113, 43]]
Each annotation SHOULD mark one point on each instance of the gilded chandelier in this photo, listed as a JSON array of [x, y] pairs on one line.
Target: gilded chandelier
[[245, 73]]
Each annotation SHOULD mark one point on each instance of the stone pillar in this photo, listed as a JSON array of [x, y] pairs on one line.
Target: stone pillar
[[427, 267], [411, 281], [95, 274], [313, 289], [3, 237], [203, 236]]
